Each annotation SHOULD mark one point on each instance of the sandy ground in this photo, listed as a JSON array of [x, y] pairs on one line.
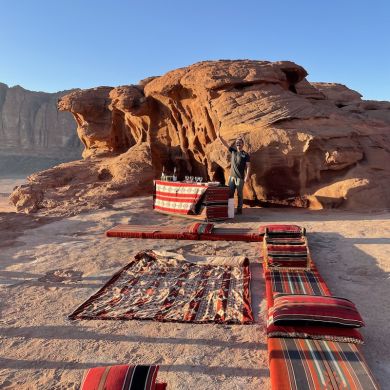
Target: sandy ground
[[6, 187], [41, 349]]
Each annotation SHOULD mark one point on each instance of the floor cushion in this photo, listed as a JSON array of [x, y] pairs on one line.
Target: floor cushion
[[309, 309], [121, 377], [304, 364]]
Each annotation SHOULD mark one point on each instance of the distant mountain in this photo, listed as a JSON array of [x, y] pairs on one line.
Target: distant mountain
[[34, 135]]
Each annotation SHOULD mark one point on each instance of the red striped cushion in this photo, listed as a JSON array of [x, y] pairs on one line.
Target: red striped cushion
[[233, 234], [320, 310], [286, 249], [285, 241], [214, 212], [281, 230], [298, 281], [297, 364], [121, 377], [217, 194], [200, 228], [285, 255], [341, 334], [298, 260], [287, 263]]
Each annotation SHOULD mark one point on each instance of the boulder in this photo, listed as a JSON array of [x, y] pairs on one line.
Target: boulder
[[93, 183], [307, 148], [338, 93]]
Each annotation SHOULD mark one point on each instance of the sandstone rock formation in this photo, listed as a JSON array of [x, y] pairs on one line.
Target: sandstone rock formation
[[32, 129], [312, 144], [76, 186]]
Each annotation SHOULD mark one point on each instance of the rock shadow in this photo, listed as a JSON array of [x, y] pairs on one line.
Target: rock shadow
[[75, 331], [14, 225]]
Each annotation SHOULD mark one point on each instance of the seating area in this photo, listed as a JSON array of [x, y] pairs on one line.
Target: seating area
[[313, 341], [313, 337]]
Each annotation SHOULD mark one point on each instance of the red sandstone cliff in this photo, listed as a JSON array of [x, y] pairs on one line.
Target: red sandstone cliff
[[317, 145]]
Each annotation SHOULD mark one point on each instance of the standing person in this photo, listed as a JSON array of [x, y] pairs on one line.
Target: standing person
[[240, 168]]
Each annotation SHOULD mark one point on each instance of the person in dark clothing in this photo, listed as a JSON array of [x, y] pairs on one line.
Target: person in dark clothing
[[240, 169]]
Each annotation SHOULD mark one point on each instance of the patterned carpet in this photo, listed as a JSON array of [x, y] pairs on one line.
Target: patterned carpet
[[164, 287]]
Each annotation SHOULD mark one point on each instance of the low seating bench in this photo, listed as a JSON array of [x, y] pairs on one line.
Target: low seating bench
[[183, 233], [309, 355]]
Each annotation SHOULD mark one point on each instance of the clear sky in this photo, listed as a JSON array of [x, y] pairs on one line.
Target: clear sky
[[52, 45]]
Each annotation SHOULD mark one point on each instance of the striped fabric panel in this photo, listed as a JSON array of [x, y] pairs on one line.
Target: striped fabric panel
[[297, 282], [217, 195], [287, 250], [287, 262], [189, 198], [285, 235], [121, 377], [200, 228], [214, 212], [285, 241], [178, 184], [332, 333], [182, 233], [174, 207], [233, 234], [285, 255], [152, 231], [281, 229], [291, 308], [180, 198], [304, 364]]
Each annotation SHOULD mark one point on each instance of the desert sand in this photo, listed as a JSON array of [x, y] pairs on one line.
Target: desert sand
[[6, 187], [42, 349]]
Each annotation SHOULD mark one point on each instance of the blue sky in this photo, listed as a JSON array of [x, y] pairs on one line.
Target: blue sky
[[56, 45]]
